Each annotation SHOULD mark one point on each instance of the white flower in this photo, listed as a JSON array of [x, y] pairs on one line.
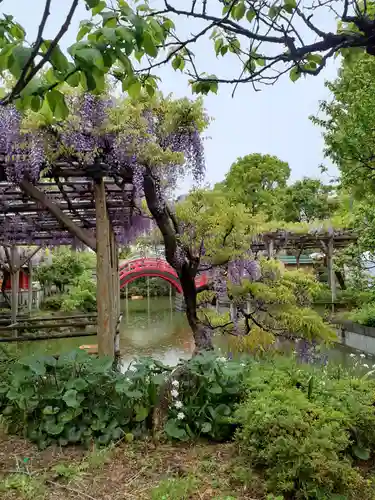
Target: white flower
[[243, 364], [180, 415], [362, 355], [178, 405], [175, 383], [352, 355], [221, 359], [365, 366], [174, 393]]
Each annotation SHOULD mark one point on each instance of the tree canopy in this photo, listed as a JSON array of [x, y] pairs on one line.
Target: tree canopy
[[309, 199], [129, 42], [258, 182]]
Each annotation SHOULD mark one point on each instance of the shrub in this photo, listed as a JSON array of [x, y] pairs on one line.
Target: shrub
[[78, 398], [305, 428], [53, 303], [203, 400], [365, 315]]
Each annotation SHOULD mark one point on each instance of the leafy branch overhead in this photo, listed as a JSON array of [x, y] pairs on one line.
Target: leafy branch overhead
[[266, 38]]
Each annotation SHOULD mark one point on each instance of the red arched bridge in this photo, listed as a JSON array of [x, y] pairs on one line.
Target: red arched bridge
[[154, 268]]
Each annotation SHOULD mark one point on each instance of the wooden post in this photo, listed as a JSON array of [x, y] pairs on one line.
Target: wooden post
[[30, 290], [270, 248], [331, 272], [15, 282], [127, 302], [106, 344]]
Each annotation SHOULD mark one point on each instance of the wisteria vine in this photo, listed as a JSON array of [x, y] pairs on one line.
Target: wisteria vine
[[94, 133]]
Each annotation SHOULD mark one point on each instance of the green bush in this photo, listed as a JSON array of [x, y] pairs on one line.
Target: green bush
[[78, 399], [306, 428], [365, 315], [203, 400], [52, 303]]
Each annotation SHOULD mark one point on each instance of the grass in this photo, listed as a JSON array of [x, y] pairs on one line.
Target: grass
[[138, 470]]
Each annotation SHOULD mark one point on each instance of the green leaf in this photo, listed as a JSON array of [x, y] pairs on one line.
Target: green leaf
[[206, 427], [110, 34], [92, 3], [90, 57], [85, 27], [178, 63], [56, 101], [141, 413], [150, 90], [99, 7], [173, 430], [79, 384], [18, 59], [71, 399], [238, 11], [74, 79], [54, 429], [214, 87], [149, 45], [294, 74], [215, 389], [273, 11], [250, 14], [134, 89], [219, 42], [361, 453], [109, 18], [290, 5], [50, 410]]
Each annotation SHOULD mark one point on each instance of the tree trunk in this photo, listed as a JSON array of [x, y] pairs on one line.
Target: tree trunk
[[170, 231]]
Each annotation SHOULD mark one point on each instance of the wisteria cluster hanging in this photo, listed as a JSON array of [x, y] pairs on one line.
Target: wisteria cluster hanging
[[98, 130]]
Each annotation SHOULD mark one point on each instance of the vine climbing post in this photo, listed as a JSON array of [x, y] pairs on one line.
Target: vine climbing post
[[106, 341], [30, 289], [331, 272], [15, 281]]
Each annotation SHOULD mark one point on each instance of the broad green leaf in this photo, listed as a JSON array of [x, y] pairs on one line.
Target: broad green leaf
[[70, 398], [173, 430], [219, 42], [361, 453], [56, 101], [150, 90], [99, 7], [250, 14], [74, 79], [54, 429], [290, 5], [239, 11], [294, 74], [178, 63], [18, 59], [110, 34], [206, 427], [90, 57], [141, 413], [273, 11], [134, 89], [92, 3], [85, 28], [149, 45], [215, 389]]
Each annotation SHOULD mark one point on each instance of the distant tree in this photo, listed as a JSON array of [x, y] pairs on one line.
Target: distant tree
[[258, 181], [309, 199]]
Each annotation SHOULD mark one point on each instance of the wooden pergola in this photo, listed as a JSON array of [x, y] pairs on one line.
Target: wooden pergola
[[78, 203], [326, 239]]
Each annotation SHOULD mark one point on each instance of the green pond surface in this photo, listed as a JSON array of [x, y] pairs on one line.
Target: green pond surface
[[153, 328]]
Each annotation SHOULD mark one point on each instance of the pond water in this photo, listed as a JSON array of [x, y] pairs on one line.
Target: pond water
[[153, 328]]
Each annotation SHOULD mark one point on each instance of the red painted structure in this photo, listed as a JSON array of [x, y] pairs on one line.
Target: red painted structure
[[154, 268], [23, 282]]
